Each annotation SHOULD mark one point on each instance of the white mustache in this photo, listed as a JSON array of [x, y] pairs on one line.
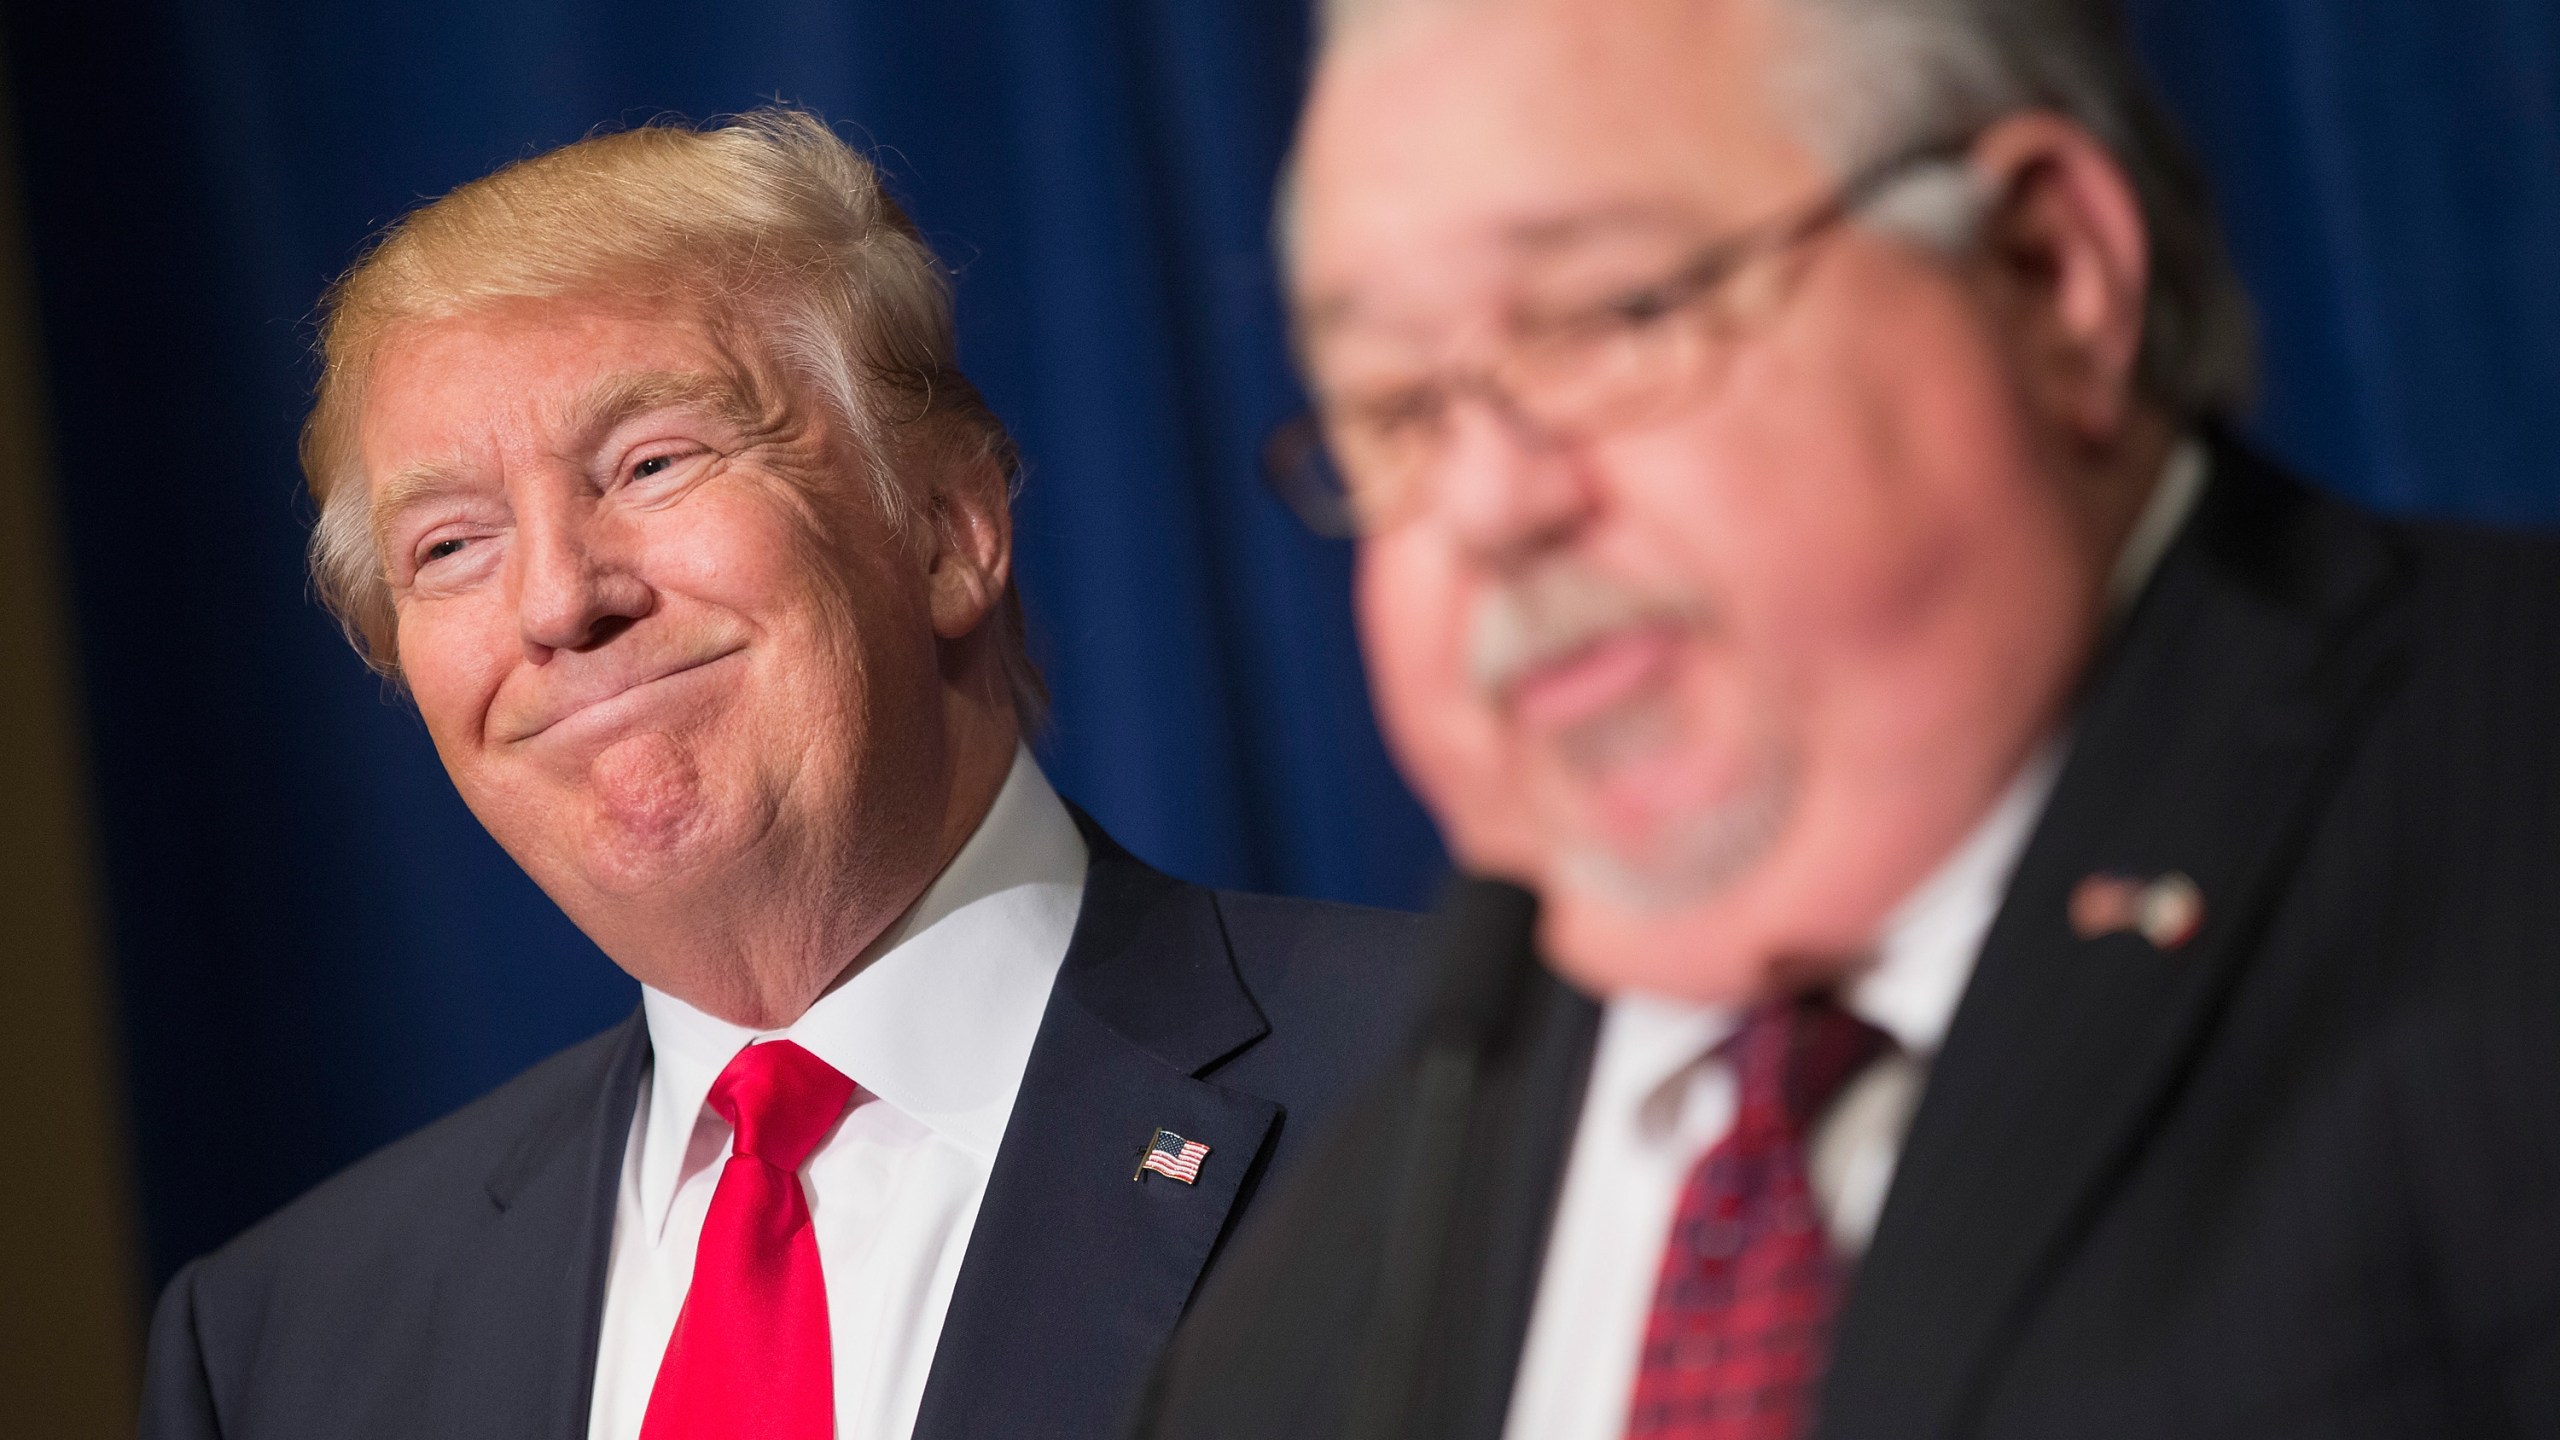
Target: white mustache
[[1546, 614]]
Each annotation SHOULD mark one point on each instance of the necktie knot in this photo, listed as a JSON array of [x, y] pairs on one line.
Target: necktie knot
[[1793, 1056], [781, 1100]]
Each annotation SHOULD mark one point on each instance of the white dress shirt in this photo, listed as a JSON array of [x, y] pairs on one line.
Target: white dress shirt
[[936, 1031], [1661, 1094]]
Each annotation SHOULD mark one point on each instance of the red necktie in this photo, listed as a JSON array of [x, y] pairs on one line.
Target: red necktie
[[1741, 1319], [749, 1357]]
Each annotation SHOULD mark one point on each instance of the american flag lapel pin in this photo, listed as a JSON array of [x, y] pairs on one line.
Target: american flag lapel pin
[[1170, 1155], [2166, 910]]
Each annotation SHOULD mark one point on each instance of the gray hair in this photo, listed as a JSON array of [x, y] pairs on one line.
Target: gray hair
[[1869, 77]]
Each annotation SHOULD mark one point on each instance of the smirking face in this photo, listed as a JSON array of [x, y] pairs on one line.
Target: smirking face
[[671, 649]]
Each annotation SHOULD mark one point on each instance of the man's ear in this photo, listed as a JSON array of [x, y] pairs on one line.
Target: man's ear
[[2068, 259], [970, 518]]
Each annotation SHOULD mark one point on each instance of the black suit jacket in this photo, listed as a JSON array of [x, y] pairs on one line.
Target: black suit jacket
[[2299, 1177], [452, 1285]]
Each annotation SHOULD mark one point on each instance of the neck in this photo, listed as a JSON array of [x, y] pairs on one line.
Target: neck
[[974, 794], [758, 944]]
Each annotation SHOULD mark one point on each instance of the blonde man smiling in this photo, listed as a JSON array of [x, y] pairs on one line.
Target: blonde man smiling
[[645, 467]]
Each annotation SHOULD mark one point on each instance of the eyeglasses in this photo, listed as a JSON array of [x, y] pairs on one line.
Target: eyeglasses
[[1358, 463]]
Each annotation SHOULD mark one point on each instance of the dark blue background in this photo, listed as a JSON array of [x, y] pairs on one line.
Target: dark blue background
[[318, 948]]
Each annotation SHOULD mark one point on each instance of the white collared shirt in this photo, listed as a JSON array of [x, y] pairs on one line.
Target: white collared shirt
[[936, 1031], [1661, 1095]]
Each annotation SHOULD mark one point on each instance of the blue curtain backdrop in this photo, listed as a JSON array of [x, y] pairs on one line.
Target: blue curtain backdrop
[[318, 949]]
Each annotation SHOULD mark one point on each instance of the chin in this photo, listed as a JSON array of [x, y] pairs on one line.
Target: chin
[[674, 854], [614, 865], [1647, 813], [1606, 948], [1691, 856], [1641, 891], [1782, 893], [649, 816]]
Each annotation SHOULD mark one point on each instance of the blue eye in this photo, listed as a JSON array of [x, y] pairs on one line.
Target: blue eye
[[654, 465], [442, 549]]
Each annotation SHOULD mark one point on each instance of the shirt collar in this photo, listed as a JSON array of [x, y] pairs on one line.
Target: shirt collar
[[939, 1024], [1931, 939], [1649, 1045], [2173, 498]]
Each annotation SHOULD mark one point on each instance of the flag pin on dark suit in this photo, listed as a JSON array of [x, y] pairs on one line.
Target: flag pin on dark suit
[[2166, 910], [1172, 1156]]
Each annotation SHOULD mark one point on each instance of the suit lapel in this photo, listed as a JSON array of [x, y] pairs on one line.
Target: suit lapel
[[1076, 1271], [2239, 682], [520, 1312]]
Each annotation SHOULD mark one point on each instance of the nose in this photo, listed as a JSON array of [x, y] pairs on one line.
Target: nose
[[1507, 488], [573, 590]]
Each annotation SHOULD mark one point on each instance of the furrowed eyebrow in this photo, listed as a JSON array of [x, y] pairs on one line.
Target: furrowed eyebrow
[[1532, 238], [408, 489], [1550, 233], [619, 397]]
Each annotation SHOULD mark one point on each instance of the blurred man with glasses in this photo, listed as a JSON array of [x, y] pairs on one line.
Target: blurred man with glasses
[[2049, 921]]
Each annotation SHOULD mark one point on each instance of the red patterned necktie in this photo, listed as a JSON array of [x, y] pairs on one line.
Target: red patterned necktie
[[749, 1356], [1741, 1318]]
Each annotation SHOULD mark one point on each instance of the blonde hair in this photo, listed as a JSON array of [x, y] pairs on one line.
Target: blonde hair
[[767, 219]]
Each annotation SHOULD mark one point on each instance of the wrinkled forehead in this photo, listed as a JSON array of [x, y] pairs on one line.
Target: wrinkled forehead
[[1449, 148], [549, 371]]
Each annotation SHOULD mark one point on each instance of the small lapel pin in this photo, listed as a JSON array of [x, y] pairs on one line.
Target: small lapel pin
[[1172, 1156], [2166, 910]]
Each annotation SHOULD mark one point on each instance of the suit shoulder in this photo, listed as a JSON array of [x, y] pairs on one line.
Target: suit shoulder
[[2484, 617], [1339, 984], [1320, 953], [2495, 593], [404, 1192], [1278, 929], [2312, 544], [2528, 558]]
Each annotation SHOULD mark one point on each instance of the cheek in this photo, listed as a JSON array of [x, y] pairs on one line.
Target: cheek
[[840, 610], [1796, 547], [746, 554], [731, 551], [453, 653], [1909, 564], [1829, 503], [1412, 610], [1400, 606]]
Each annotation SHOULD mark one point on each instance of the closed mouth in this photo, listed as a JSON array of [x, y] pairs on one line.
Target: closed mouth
[[588, 703]]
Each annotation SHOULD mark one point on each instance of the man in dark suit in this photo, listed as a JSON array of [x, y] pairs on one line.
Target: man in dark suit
[[2053, 922], [644, 466]]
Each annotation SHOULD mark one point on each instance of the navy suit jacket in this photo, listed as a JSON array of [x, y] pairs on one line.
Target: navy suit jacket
[[453, 1284]]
